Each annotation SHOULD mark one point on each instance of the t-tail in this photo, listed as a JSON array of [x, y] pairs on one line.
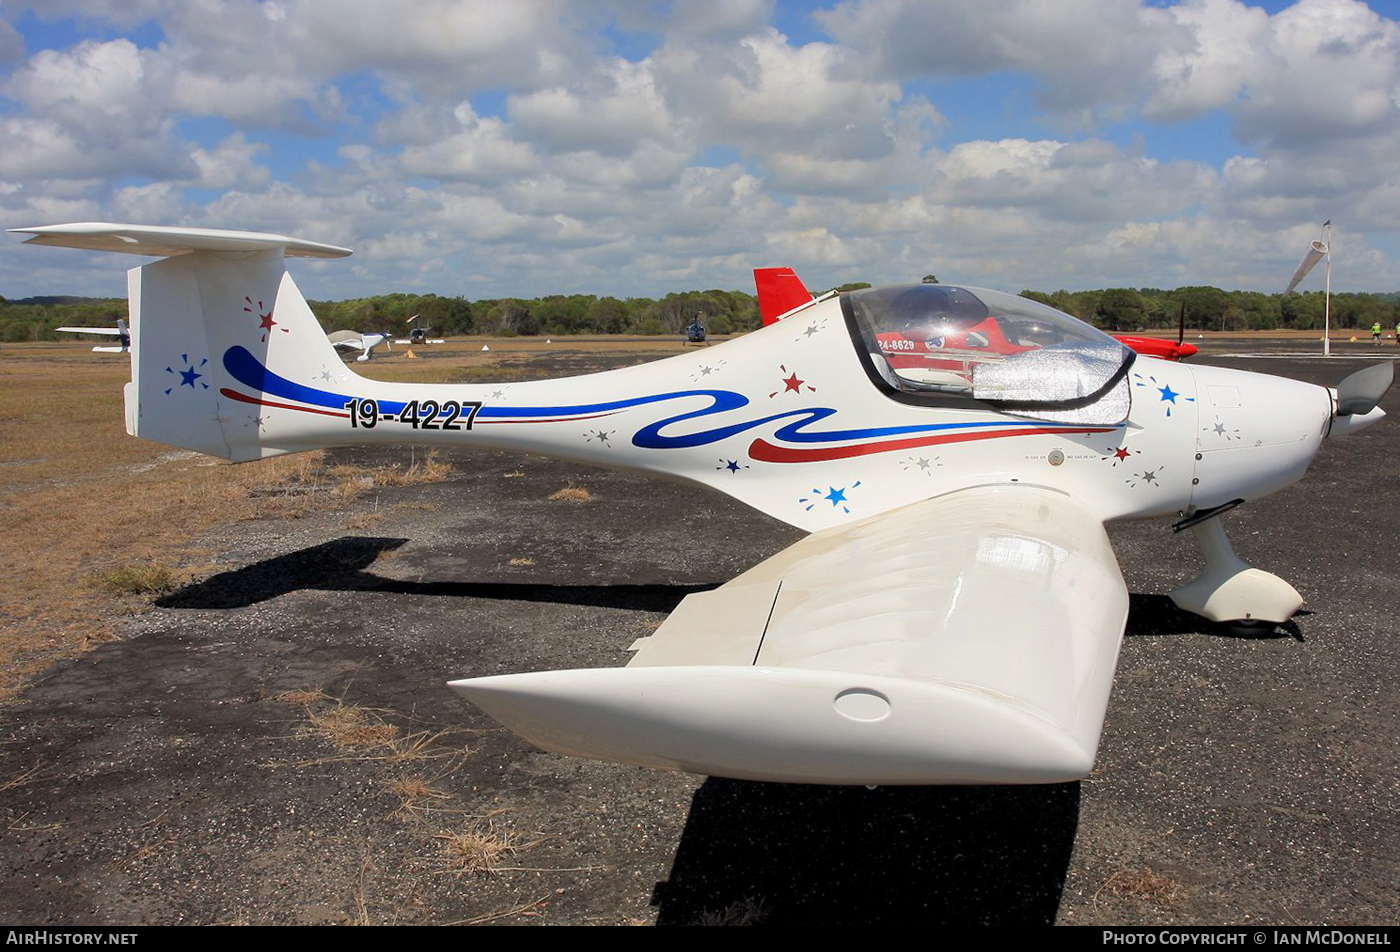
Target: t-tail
[[210, 324]]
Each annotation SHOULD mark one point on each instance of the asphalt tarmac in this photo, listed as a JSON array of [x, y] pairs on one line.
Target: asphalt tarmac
[[165, 777]]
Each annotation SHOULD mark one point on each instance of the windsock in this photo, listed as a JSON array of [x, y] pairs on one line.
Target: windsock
[[1315, 253]]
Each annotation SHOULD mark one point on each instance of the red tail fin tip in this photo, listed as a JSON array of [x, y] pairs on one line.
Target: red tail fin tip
[[779, 291]]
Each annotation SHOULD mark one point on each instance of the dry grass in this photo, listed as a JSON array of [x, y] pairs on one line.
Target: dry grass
[[363, 520], [522, 561], [20, 780], [61, 534], [363, 734], [417, 796], [361, 917], [1142, 885], [72, 495], [305, 697], [481, 847], [572, 493], [427, 469], [746, 912], [419, 468], [351, 727]]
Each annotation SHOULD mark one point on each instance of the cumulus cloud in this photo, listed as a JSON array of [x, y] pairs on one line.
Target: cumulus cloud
[[1087, 55], [486, 148], [1319, 70], [609, 111]]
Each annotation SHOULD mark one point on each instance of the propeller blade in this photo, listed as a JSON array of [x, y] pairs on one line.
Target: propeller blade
[[1360, 392], [1181, 323]]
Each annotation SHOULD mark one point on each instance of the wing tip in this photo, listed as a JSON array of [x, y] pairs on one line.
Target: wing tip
[[784, 724]]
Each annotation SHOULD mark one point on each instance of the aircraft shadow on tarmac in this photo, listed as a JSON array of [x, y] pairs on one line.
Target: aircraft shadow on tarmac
[[791, 852], [819, 855], [341, 565]]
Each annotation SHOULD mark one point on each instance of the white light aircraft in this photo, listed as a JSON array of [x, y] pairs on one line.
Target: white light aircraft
[[357, 343], [955, 614], [120, 332]]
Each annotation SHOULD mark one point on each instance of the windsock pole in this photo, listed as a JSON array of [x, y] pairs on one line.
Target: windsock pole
[[1327, 298], [1318, 250]]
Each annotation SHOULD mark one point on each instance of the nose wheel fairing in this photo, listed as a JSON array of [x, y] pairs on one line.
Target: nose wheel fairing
[[1255, 434], [1230, 589]]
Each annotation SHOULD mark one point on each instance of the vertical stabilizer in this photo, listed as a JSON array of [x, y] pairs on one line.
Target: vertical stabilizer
[[210, 325], [779, 291]]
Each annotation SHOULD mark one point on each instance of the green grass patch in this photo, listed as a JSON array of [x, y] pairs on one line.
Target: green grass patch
[[146, 579]]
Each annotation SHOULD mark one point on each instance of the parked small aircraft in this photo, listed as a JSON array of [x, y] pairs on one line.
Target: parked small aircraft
[[120, 332], [355, 342], [418, 336], [955, 614]]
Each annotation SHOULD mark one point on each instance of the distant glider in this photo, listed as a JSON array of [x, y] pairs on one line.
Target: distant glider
[[955, 614], [120, 332]]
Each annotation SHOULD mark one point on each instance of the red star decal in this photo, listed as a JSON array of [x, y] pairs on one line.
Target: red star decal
[[792, 384], [266, 322], [1121, 453]]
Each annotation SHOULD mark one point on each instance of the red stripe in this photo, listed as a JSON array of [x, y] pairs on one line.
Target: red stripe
[[235, 395], [766, 452]]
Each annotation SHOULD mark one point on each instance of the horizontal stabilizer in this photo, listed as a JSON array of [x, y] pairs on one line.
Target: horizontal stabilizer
[[165, 242]]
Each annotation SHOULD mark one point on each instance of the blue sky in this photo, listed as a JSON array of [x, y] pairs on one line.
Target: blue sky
[[613, 147]]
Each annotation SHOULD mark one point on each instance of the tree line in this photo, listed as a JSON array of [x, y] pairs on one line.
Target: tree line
[[1211, 309], [725, 312]]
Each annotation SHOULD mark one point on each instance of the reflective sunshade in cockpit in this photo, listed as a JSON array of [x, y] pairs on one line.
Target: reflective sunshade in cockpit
[[934, 340]]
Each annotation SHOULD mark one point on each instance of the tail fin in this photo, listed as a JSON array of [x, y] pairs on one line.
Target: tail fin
[[779, 291], [210, 324]]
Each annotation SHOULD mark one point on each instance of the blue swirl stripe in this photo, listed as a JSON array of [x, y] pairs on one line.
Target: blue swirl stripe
[[247, 370]]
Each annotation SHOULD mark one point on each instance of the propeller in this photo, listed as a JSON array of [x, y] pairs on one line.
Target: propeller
[[1360, 392]]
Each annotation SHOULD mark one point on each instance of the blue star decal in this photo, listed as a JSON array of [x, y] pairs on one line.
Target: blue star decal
[[732, 466], [837, 497], [1167, 394], [188, 375]]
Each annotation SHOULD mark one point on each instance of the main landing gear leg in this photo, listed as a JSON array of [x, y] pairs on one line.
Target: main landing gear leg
[[1229, 589]]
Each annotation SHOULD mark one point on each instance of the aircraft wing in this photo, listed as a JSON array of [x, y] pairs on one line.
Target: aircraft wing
[[105, 331], [346, 340], [968, 638]]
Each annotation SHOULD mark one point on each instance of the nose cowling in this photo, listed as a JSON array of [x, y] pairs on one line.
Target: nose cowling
[[1256, 433]]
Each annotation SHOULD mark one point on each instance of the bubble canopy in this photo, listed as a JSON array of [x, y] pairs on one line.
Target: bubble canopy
[[935, 343]]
